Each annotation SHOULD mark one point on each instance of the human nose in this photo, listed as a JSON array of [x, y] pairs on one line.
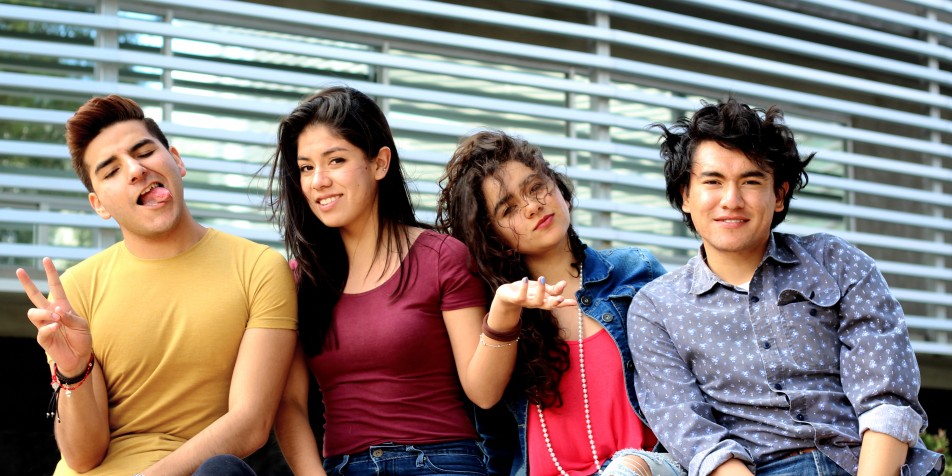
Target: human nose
[[533, 205], [732, 197], [320, 179], [135, 170]]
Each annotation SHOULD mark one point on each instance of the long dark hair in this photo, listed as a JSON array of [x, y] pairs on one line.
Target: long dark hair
[[318, 249], [543, 355]]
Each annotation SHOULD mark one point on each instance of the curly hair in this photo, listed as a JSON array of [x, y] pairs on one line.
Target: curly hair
[[317, 248], [760, 135], [543, 355]]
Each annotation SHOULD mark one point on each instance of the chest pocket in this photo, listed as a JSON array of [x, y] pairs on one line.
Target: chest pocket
[[811, 321]]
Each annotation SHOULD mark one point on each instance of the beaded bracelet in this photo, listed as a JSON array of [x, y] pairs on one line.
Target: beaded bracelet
[[482, 340], [58, 381], [71, 383], [495, 335]]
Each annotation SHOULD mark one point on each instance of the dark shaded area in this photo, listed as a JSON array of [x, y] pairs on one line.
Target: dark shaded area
[[936, 403], [27, 447]]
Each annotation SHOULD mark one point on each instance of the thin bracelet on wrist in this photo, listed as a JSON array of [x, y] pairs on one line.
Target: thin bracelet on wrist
[[482, 341], [59, 381], [495, 335]]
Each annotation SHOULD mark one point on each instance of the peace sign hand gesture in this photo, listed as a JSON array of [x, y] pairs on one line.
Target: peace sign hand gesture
[[61, 332]]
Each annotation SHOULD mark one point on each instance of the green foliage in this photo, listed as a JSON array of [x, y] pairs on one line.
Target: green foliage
[[939, 442]]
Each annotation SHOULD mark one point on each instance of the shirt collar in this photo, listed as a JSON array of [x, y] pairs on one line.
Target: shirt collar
[[705, 279], [779, 252], [596, 267]]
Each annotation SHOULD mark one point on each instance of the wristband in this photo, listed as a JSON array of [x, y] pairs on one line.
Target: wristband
[[501, 336], [67, 382], [58, 381]]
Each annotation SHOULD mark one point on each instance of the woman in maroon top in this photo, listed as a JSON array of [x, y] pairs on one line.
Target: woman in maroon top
[[390, 314]]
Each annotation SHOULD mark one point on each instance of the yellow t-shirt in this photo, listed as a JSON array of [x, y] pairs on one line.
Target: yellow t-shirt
[[166, 334]]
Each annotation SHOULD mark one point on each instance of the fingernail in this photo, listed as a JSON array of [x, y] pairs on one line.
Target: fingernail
[[541, 279], [525, 279]]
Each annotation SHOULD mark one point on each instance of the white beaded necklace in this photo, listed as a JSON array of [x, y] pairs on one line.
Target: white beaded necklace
[[588, 419]]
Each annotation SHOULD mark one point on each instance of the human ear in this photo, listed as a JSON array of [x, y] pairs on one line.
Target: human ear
[[381, 163], [97, 206], [781, 192], [178, 160], [685, 199]]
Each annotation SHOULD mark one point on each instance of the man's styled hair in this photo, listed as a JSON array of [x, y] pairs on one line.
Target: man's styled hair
[[97, 114], [760, 135]]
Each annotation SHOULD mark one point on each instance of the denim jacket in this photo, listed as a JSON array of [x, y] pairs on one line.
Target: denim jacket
[[610, 280]]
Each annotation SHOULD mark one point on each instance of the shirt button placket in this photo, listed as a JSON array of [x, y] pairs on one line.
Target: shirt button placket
[[771, 356]]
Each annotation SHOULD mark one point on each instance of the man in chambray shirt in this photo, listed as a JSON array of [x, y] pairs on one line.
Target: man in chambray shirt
[[769, 353]]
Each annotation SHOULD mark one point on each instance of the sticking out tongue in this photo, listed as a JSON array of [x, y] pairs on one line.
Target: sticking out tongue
[[155, 196]]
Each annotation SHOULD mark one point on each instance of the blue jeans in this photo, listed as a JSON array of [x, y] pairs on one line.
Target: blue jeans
[[224, 465], [660, 464], [458, 457], [500, 438], [813, 463]]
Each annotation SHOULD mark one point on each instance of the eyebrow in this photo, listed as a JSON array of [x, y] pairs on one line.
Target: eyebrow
[[332, 150], [132, 150], [327, 152], [747, 174], [505, 198]]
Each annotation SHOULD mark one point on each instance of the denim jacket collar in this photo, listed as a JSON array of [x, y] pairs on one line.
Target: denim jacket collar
[[596, 268]]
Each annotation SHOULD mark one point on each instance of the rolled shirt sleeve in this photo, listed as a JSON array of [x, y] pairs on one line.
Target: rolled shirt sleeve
[[879, 370]]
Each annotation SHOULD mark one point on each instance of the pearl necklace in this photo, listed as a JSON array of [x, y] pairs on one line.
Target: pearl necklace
[[588, 419]]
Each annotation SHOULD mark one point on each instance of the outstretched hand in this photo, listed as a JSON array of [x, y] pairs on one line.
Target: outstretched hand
[[534, 294], [61, 332]]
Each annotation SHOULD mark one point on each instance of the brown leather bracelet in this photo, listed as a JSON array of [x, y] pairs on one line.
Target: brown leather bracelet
[[501, 336]]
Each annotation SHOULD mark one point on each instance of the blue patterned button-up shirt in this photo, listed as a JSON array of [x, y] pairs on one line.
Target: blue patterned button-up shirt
[[815, 353]]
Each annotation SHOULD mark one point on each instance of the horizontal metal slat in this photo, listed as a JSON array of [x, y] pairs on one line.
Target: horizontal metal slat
[[804, 22], [766, 39], [380, 59], [663, 46], [514, 49]]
